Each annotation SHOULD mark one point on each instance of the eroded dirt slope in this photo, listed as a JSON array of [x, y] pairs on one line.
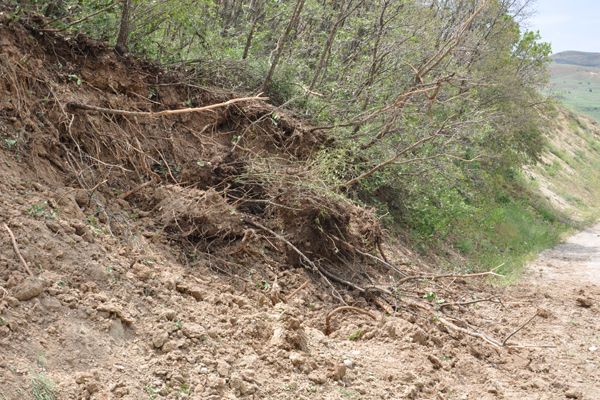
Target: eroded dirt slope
[[166, 291]]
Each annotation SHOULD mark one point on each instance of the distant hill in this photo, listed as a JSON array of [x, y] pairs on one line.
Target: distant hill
[[580, 58], [575, 80]]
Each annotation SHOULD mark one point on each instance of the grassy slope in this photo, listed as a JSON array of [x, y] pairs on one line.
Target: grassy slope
[[577, 86], [516, 217]]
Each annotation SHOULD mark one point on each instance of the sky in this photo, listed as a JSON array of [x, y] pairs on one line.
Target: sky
[[568, 24]]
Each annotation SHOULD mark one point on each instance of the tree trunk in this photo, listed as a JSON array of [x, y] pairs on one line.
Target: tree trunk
[[257, 14], [122, 38], [282, 42]]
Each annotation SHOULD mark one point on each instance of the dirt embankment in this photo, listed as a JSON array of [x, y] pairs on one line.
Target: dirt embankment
[[189, 257]]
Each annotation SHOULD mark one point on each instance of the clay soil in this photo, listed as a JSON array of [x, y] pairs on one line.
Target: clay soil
[[173, 290]]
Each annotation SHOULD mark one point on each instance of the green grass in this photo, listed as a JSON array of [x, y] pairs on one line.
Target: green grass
[[42, 388], [577, 87], [508, 234]]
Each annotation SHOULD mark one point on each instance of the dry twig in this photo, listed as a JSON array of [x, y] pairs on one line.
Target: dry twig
[[434, 277], [519, 328], [291, 295], [466, 303], [136, 189], [16, 248]]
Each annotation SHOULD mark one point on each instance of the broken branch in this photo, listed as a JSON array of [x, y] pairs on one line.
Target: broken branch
[[519, 328], [72, 107], [434, 277], [16, 248]]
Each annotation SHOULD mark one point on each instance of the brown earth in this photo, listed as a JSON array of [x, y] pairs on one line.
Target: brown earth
[[174, 291]]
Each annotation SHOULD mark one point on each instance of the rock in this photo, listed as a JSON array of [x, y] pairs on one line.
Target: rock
[[199, 389], [92, 387], [584, 302], [420, 337], [288, 333], [571, 394], [348, 363], [160, 339], [169, 346], [339, 371], [169, 314], [223, 368], [543, 313], [316, 377], [241, 387], [437, 364], [216, 383], [53, 226], [116, 330], [28, 289], [194, 331], [11, 301], [297, 359], [51, 303], [411, 392], [195, 291]]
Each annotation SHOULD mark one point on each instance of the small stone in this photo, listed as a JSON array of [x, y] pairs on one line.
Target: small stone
[[237, 384], [248, 375], [297, 359], [214, 382], [318, 378], [437, 364], [28, 289], [83, 377], [53, 226], [543, 313], [169, 314], [11, 301], [92, 387], [584, 302], [571, 394], [348, 363], [160, 339], [339, 371], [223, 368], [420, 337], [169, 346], [199, 389], [193, 331], [51, 303]]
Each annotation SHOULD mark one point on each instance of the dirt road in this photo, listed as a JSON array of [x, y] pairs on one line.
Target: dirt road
[[565, 283], [576, 262]]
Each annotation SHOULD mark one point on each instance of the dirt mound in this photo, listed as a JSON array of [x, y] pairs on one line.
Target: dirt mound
[[156, 257], [207, 159]]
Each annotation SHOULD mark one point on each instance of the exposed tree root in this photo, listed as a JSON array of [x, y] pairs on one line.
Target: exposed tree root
[[16, 248], [345, 308]]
